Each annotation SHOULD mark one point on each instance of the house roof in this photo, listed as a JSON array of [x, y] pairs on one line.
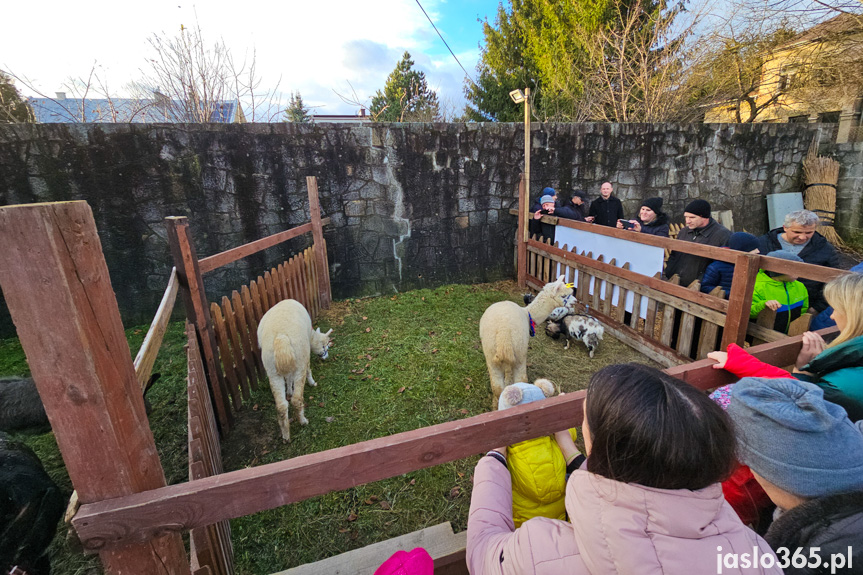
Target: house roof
[[122, 110], [840, 24]]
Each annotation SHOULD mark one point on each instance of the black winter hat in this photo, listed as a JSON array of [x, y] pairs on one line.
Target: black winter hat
[[654, 204], [699, 208], [579, 193]]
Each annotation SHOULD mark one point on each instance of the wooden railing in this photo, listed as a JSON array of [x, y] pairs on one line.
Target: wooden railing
[[731, 315], [227, 333]]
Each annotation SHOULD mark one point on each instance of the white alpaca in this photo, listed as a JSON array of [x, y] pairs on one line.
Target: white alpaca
[[286, 339], [505, 330]]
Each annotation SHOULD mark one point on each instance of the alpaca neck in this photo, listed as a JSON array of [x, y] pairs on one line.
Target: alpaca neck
[[541, 307]]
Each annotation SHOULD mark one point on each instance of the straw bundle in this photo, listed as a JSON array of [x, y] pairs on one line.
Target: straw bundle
[[821, 175]]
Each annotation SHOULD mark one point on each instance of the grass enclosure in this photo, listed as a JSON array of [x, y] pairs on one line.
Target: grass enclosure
[[398, 363]]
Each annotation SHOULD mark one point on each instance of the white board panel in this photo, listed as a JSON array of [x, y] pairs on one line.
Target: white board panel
[[643, 259]]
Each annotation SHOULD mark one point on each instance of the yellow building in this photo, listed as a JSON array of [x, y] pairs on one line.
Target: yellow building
[[814, 77]]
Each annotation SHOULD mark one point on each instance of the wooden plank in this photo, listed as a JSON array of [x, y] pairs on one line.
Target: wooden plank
[[521, 234], [216, 261], [257, 303], [439, 540], [278, 286], [283, 281], [801, 324], [146, 357], [58, 291], [313, 282], [272, 298], [709, 332], [134, 518], [740, 299], [318, 241], [583, 283], [668, 319], [687, 327], [198, 312], [236, 347], [762, 334], [265, 298], [701, 374], [252, 324], [243, 335], [301, 275], [666, 287], [232, 378], [636, 309], [622, 294], [198, 397], [327, 274]]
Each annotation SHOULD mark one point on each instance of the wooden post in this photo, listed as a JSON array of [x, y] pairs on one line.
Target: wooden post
[[740, 299], [521, 234], [526, 206], [320, 246], [56, 284], [198, 311]]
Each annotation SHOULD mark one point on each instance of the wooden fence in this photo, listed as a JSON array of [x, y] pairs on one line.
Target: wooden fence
[[678, 315], [227, 333], [212, 552]]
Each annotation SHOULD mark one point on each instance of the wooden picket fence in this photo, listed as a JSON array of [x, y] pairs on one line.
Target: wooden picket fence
[[601, 289], [210, 546], [236, 319]]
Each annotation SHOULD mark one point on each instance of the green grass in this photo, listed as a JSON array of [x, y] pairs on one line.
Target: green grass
[[398, 363]]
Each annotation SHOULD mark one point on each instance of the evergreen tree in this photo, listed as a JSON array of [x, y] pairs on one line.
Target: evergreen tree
[[406, 96], [543, 45], [297, 111], [13, 108]]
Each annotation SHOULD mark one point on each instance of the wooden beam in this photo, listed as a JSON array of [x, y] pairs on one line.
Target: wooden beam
[[59, 294], [137, 518], [521, 232], [702, 375], [216, 261], [703, 299], [191, 288], [740, 299], [146, 356], [318, 238]]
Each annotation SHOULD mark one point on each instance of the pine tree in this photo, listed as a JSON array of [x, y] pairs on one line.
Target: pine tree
[[13, 108], [297, 111], [406, 96]]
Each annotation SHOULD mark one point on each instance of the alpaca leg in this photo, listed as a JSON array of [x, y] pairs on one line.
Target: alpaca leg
[[277, 386], [297, 399], [309, 378], [567, 344], [497, 376]]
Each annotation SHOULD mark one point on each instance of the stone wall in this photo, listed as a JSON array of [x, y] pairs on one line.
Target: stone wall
[[412, 205]]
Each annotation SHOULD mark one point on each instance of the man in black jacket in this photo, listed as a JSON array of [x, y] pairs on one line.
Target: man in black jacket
[[576, 209], [701, 229], [798, 236], [606, 209]]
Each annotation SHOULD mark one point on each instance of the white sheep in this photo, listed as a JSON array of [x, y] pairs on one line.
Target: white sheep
[[286, 339], [505, 330]]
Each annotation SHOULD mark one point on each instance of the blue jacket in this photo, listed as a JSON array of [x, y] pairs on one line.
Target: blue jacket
[[720, 274]]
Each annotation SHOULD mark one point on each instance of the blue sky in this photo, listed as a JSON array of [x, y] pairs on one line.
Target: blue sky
[[322, 48]]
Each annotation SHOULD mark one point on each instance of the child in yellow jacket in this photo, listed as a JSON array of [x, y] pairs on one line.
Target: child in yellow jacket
[[537, 466]]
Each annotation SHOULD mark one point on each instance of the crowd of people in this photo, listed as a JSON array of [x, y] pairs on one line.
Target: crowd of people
[[762, 476]]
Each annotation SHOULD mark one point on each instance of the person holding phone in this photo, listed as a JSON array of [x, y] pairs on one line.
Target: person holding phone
[[651, 219], [547, 207]]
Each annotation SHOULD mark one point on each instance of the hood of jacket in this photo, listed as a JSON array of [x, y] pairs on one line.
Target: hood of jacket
[[844, 355], [629, 528]]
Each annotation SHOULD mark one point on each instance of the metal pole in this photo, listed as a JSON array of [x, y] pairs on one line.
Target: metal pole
[[527, 160]]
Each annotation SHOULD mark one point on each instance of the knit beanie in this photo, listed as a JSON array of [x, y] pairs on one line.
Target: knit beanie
[[742, 242], [579, 193], [699, 208], [520, 393], [654, 204], [784, 255], [788, 434], [546, 199]]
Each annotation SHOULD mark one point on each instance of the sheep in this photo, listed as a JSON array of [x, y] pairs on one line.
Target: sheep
[[577, 326], [505, 329], [31, 507], [286, 339]]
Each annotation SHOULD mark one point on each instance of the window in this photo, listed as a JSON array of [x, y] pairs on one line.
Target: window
[[803, 119], [829, 117]]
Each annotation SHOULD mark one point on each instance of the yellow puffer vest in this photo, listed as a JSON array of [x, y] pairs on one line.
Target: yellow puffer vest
[[538, 473]]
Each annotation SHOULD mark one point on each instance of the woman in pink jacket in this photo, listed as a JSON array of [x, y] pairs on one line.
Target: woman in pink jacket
[[646, 500]]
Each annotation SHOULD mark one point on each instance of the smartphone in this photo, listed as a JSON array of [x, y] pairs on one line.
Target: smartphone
[[627, 224]]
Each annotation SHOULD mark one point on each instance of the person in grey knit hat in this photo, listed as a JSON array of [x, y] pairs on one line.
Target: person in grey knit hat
[[808, 457]]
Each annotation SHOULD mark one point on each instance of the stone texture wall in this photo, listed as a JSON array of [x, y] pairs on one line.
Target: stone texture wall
[[412, 205]]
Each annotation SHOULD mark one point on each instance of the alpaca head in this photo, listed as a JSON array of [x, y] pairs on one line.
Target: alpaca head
[[321, 343]]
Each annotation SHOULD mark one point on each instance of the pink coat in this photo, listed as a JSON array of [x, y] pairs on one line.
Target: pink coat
[[614, 528]]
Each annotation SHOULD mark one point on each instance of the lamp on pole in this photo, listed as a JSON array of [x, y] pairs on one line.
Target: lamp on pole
[[518, 97]]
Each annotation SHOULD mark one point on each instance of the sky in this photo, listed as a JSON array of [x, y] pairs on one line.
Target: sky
[[321, 48]]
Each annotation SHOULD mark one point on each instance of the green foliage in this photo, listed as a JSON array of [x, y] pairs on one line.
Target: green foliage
[[406, 96], [13, 108], [297, 111], [542, 45]]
